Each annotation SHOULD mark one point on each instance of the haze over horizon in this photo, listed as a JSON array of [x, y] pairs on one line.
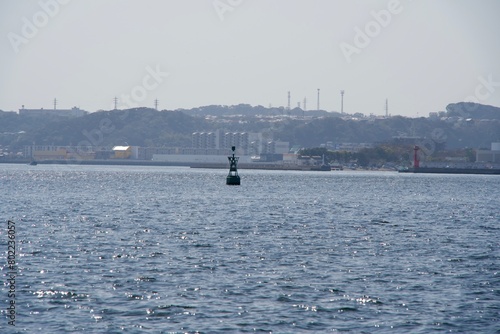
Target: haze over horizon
[[420, 55]]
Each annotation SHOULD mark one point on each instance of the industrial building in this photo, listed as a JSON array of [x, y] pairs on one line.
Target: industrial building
[[208, 147], [492, 156], [247, 143], [73, 112]]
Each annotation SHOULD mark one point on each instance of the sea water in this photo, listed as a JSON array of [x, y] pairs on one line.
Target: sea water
[[122, 249]]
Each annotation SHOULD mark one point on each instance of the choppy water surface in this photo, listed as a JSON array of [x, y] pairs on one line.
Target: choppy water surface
[[105, 249]]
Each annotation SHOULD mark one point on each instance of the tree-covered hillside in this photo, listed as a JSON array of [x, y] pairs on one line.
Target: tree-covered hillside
[[141, 127], [149, 127], [472, 110], [455, 134]]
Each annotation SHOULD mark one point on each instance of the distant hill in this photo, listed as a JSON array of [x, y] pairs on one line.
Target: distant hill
[[149, 127], [462, 134], [473, 110], [139, 126], [248, 110]]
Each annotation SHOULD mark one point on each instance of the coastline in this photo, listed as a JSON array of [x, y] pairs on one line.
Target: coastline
[[438, 170], [98, 162], [249, 166], [120, 162]]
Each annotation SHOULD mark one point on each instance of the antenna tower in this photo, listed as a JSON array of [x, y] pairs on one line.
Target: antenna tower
[[116, 102], [318, 100], [55, 104], [386, 108], [288, 100], [342, 101], [156, 104]]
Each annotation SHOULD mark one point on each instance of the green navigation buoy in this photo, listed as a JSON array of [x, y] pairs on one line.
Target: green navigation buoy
[[233, 178]]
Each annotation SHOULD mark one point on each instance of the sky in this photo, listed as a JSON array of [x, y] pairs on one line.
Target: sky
[[421, 55]]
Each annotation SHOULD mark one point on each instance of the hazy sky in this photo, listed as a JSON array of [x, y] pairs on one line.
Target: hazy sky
[[420, 54]]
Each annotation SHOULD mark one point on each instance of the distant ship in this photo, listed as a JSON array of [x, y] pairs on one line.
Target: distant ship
[[323, 167], [33, 163]]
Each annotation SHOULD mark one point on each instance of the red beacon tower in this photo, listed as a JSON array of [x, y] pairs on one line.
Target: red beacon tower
[[416, 162]]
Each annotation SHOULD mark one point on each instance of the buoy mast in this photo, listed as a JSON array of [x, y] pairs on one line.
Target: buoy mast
[[233, 179]]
